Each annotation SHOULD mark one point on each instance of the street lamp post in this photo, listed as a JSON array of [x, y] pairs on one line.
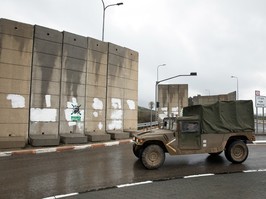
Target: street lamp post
[[156, 96], [158, 82], [158, 70], [104, 8], [237, 91]]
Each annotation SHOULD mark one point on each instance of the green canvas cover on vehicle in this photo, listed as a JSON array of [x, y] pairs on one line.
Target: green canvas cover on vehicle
[[224, 116]]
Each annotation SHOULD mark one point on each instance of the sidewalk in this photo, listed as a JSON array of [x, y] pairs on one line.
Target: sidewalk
[[37, 150], [260, 139]]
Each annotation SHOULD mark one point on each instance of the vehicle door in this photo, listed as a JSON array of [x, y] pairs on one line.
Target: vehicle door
[[189, 135]]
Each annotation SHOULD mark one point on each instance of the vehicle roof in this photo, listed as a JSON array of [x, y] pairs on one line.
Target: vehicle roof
[[224, 116]]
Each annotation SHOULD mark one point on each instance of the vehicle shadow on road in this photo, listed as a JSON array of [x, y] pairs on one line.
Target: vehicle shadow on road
[[215, 159]]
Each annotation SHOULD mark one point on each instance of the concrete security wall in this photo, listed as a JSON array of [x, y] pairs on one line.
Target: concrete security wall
[[96, 86], [16, 41], [172, 98], [73, 83], [45, 83], [122, 85], [131, 90], [45, 74]]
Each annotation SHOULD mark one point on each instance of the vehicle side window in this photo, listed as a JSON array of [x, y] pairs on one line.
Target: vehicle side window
[[190, 126]]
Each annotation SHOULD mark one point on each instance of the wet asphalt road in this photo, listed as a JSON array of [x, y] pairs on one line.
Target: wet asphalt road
[[234, 186], [44, 175]]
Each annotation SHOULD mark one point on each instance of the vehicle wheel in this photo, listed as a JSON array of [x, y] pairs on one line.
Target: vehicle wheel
[[216, 154], [136, 150], [237, 152], [153, 156]]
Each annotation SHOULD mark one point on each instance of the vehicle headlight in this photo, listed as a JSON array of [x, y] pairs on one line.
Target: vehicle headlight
[[137, 140]]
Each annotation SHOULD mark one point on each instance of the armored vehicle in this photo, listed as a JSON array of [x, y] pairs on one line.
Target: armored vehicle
[[224, 126]]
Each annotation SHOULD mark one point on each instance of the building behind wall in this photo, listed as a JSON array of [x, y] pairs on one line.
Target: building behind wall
[[172, 98], [210, 99], [45, 73]]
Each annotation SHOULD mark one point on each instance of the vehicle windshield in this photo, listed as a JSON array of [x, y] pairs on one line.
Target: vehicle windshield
[[169, 123]]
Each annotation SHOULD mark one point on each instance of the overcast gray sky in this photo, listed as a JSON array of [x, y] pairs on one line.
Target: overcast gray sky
[[215, 38]]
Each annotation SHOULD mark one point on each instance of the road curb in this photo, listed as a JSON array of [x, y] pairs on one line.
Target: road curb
[[260, 142], [63, 148], [76, 147]]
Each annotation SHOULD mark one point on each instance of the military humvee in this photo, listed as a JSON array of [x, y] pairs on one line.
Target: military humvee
[[224, 126]]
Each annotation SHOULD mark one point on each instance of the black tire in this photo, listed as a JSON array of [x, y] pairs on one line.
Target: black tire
[[153, 156], [137, 150], [236, 152], [216, 154]]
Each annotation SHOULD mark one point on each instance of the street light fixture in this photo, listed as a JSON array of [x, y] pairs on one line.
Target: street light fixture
[[158, 82], [158, 71], [104, 8], [191, 74], [237, 91]]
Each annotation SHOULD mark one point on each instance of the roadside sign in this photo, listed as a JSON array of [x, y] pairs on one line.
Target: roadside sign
[[260, 101], [257, 93], [75, 118]]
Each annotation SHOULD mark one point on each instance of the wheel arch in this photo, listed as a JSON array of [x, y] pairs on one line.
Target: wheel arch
[[234, 138], [156, 142]]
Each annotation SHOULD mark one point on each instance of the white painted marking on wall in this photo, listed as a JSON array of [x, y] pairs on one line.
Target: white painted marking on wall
[[48, 100], [174, 109], [70, 104], [116, 114], [164, 109], [17, 101], [43, 115], [116, 103], [80, 125], [116, 124], [164, 113], [100, 125], [162, 116], [131, 104], [133, 184], [95, 114], [97, 104], [72, 123]]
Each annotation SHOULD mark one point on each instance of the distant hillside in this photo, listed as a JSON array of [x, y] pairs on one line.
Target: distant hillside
[[144, 115]]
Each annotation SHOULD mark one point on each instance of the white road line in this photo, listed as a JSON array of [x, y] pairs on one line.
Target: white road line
[[199, 175], [133, 184], [250, 171], [61, 196]]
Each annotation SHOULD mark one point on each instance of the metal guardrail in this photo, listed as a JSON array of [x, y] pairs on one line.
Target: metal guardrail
[[147, 124]]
